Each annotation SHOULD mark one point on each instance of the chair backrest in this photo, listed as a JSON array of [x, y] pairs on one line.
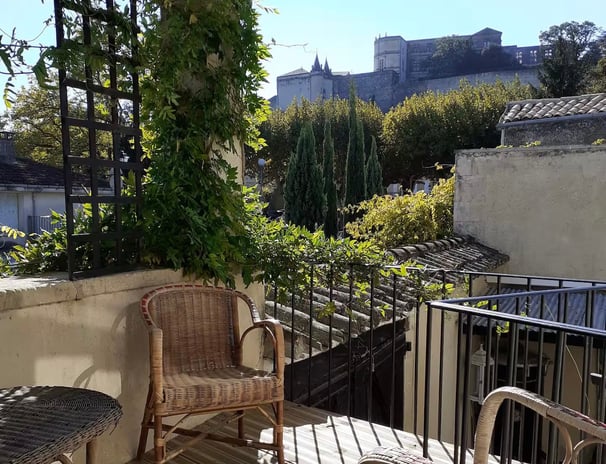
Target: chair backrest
[[199, 325]]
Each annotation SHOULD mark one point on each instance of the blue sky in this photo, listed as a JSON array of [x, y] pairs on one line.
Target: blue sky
[[344, 30]]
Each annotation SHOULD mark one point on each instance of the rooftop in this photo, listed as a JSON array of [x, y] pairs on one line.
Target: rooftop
[[25, 171], [527, 110]]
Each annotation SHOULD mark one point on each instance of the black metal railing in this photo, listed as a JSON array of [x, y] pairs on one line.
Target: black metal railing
[[548, 341], [347, 337]]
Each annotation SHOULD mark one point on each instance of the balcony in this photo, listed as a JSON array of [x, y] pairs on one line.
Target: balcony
[[425, 367]]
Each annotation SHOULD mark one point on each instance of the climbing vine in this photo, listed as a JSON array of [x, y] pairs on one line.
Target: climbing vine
[[200, 101], [200, 63]]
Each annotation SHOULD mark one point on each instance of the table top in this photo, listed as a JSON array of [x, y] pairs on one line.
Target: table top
[[40, 423]]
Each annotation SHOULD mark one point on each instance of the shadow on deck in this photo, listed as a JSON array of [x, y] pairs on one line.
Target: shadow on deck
[[311, 436]]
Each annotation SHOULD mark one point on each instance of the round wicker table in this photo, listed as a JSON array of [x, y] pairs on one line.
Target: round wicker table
[[38, 425]]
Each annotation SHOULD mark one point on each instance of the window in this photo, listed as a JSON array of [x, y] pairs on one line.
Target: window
[[520, 57], [533, 56]]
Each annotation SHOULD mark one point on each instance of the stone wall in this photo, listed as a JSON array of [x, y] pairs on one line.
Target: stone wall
[[89, 334], [543, 207], [374, 86], [526, 76], [567, 130]]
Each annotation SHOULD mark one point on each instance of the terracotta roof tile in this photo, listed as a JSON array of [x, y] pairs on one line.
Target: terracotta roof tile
[[554, 107], [461, 253]]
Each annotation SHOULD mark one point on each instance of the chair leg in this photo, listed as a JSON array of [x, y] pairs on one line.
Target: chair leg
[[159, 443], [145, 426], [279, 431], [91, 452], [241, 424]]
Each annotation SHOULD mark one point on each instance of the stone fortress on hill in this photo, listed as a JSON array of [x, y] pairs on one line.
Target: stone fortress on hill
[[401, 68]]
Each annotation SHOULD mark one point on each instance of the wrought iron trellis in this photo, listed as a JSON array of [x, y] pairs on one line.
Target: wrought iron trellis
[[95, 186]]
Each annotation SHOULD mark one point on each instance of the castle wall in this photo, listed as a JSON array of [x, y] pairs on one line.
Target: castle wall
[[293, 87], [526, 76], [376, 86]]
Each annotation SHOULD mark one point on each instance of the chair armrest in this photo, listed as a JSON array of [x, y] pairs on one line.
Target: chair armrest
[[155, 358], [275, 330], [562, 416]]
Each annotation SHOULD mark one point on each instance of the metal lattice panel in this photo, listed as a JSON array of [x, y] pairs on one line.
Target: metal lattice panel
[[99, 93]]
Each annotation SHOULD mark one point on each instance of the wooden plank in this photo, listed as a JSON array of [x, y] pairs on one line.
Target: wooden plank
[[311, 436]]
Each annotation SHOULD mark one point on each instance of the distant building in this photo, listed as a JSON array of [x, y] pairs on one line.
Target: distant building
[[401, 68], [29, 190], [577, 120]]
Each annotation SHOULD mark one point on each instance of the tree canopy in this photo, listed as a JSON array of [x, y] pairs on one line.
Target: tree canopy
[[426, 129], [570, 51], [456, 56], [304, 199], [282, 128], [355, 167]]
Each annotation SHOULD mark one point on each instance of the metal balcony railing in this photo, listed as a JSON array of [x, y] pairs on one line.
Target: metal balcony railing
[[348, 332], [39, 224]]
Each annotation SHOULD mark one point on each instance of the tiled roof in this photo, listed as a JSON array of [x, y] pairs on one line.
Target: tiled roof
[[25, 171], [527, 110], [28, 172], [457, 253]]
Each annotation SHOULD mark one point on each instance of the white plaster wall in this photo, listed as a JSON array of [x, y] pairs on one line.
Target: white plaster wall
[[544, 207], [9, 209], [89, 334]]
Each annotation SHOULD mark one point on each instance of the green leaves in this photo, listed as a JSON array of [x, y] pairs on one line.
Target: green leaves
[[426, 129], [200, 103], [388, 222]]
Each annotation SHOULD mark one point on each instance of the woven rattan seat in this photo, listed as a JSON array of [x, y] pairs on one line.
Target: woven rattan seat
[[38, 425], [238, 386], [196, 365]]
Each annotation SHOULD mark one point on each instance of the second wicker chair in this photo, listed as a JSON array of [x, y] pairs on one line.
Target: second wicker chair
[[196, 365]]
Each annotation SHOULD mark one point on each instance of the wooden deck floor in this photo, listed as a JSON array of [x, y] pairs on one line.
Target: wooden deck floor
[[311, 436]]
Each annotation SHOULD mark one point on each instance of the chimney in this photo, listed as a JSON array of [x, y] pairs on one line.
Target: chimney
[[7, 147]]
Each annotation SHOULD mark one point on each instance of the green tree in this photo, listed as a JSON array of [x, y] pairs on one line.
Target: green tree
[[330, 188], [304, 200], [282, 128], [355, 169], [36, 120], [389, 222], [427, 128], [597, 77], [374, 173], [451, 56], [569, 53]]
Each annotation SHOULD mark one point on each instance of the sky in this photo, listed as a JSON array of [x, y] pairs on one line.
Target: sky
[[343, 31]]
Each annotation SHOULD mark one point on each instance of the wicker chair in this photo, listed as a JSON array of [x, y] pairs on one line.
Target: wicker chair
[[563, 417], [195, 357]]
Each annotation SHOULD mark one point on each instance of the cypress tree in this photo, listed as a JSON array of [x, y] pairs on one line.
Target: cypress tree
[[330, 188], [355, 170], [374, 173], [304, 201]]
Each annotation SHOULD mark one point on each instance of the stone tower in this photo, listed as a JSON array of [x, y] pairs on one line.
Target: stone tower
[[390, 55]]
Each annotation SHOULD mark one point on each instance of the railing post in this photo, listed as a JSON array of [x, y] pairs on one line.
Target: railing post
[[427, 402]]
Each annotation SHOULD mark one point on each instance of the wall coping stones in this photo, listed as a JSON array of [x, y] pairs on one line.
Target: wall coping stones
[[22, 292]]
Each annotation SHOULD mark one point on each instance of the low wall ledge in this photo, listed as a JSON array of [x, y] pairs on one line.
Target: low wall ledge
[[25, 292]]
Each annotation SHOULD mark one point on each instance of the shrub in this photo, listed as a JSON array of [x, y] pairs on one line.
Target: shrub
[[389, 222]]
